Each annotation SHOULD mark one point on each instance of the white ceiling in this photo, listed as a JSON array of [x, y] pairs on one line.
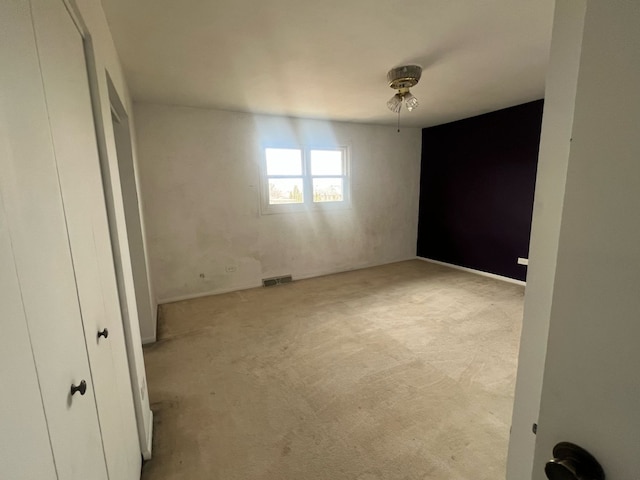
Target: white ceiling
[[329, 58]]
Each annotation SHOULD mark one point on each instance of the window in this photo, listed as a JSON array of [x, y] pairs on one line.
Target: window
[[301, 178]]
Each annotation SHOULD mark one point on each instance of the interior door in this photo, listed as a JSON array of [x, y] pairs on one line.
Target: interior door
[[36, 225], [24, 441], [64, 73], [591, 384]]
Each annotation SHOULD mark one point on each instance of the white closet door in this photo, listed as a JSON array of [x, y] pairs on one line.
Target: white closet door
[[64, 72], [24, 442], [36, 223]]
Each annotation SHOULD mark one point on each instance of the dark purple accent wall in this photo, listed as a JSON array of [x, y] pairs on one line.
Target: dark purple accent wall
[[476, 190]]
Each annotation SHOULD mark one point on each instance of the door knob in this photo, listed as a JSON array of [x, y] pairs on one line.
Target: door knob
[[82, 388], [571, 462], [104, 333]]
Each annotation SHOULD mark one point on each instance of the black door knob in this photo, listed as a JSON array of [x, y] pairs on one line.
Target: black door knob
[[82, 388], [571, 462], [104, 333]]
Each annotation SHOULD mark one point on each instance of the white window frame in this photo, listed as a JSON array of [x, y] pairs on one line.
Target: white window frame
[[307, 182]]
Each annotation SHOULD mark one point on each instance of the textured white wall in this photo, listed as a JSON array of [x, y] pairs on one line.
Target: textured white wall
[[200, 181]]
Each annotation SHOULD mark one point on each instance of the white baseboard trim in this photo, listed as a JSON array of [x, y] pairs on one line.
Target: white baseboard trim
[[302, 276], [147, 453], [147, 340], [323, 273], [477, 272], [218, 291]]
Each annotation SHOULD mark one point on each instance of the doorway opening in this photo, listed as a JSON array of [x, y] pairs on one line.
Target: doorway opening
[[133, 223]]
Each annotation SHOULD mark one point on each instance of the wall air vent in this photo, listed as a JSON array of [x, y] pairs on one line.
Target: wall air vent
[[270, 282]]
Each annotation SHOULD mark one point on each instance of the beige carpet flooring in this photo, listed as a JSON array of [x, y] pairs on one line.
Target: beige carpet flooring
[[404, 371]]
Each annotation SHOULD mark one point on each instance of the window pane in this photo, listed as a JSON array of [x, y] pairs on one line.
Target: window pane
[[328, 190], [285, 190], [326, 162], [284, 161]]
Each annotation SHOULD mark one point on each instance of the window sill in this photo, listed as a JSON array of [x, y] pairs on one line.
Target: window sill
[[304, 208]]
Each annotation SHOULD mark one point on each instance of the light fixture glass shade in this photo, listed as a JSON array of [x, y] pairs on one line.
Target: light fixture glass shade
[[395, 103], [410, 101]]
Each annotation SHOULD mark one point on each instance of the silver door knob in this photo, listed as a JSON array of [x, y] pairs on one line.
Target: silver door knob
[[571, 462]]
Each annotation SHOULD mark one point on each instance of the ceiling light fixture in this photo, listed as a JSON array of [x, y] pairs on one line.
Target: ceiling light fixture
[[402, 79]]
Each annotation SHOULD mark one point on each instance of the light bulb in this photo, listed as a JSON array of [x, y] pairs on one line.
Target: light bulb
[[395, 103], [410, 101]]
